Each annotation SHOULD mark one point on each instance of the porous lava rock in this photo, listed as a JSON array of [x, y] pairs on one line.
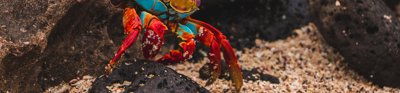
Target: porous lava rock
[[146, 77], [367, 35]]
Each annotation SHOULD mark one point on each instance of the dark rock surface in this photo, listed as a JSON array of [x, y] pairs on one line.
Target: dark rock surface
[[392, 4], [147, 77], [366, 33]]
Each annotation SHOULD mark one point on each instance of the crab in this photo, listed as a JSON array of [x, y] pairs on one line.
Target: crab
[[158, 17]]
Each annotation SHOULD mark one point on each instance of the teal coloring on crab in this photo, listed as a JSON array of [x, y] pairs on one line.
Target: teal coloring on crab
[[184, 15], [184, 29], [163, 16], [143, 15], [192, 26], [152, 5]]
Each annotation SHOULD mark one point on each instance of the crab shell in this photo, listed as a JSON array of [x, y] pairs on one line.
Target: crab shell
[[184, 6]]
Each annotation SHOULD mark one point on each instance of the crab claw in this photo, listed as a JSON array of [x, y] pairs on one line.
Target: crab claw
[[132, 26], [153, 38], [174, 56], [188, 45]]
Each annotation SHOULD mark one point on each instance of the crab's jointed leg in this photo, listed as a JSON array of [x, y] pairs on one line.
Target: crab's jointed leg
[[153, 36], [132, 27], [213, 38], [187, 46]]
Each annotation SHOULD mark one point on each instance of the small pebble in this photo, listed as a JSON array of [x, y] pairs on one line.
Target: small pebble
[[26, 43], [337, 3], [87, 77], [388, 18], [23, 30]]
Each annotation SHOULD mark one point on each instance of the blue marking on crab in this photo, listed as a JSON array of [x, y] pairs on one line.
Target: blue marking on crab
[[184, 29], [153, 6]]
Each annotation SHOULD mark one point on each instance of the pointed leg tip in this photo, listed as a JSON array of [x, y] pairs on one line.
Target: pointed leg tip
[[109, 68], [237, 79], [238, 87]]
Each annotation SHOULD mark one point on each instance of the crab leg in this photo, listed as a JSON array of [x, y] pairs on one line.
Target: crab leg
[[213, 38], [188, 46], [214, 55], [132, 26]]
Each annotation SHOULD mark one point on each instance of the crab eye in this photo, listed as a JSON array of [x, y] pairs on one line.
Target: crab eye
[[184, 6]]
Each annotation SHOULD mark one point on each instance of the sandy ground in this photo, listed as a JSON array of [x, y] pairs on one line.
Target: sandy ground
[[303, 63]]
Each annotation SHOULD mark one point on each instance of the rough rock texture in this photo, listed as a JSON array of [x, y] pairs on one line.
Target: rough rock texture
[[366, 33], [79, 44], [25, 27], [44, 43], [140, 76]]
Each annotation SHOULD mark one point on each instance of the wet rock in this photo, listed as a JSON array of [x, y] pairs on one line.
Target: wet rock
[[146, 77], [366, 33], [249, 75]]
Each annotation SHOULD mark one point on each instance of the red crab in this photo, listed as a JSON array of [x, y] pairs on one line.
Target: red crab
[[157, 17]]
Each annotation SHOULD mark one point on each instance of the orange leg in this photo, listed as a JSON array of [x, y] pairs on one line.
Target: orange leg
[[132, 27]]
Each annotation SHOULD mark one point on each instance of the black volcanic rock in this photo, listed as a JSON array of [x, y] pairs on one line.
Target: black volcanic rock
[[366, 33], [147, 77]]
